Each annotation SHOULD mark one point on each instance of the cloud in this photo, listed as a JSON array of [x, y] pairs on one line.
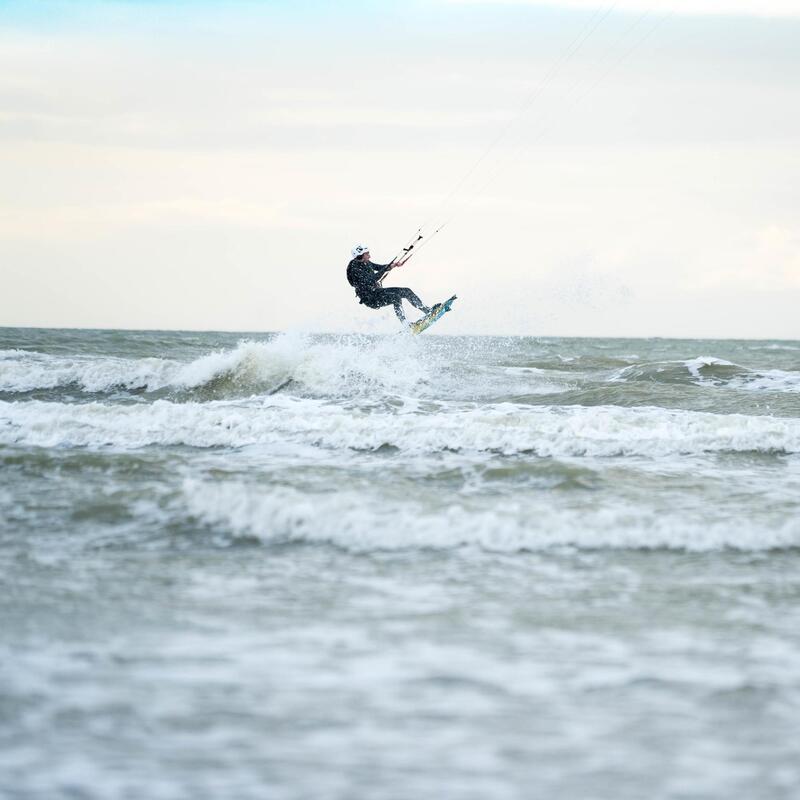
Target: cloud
[[759, 8]]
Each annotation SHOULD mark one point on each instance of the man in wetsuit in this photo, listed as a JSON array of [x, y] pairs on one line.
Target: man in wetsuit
[[364, 277]]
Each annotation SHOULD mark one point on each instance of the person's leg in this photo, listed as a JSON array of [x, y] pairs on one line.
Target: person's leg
[[388, 297], [394, 296], [407, 294], [398, 309]]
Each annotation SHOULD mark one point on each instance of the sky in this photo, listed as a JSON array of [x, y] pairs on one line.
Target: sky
[[604, 169]]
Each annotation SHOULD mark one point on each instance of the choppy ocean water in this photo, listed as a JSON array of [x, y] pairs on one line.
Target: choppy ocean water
[[388, 567]]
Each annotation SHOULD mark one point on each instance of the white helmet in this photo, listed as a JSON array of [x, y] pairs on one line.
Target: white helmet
[[359, 250]]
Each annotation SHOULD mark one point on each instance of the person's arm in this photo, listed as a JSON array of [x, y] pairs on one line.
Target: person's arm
[[381, 269]]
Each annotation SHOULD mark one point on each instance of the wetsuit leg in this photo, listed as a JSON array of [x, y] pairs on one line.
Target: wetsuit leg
[[398, 309], [394, 297], [407, 294]]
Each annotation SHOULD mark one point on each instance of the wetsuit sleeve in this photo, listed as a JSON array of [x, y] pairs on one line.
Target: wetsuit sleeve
[[380, 270]]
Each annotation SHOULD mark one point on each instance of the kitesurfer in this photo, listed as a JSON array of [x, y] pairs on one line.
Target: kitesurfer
[[365, 277]]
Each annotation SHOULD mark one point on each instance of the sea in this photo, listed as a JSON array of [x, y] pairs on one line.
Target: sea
[[288, 566]]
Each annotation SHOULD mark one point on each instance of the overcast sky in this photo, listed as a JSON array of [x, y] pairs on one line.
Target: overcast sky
[[209, 165]]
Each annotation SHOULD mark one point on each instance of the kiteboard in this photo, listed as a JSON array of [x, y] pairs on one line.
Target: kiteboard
[[436, 313]]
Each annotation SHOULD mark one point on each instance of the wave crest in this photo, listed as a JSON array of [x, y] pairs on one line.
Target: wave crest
[[345, 366], [601, 431], [279, 515], [709, 371]]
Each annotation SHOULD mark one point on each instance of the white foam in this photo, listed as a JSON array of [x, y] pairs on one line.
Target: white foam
[[354, 522], [695, 365], [340, 367], [21, 371], [504, 428], [774, 380], [737, 377]]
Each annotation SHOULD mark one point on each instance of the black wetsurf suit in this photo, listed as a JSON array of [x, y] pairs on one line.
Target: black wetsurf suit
[[363, 276]]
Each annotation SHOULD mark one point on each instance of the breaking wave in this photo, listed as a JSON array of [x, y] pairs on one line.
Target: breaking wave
[[349, 366], [710, 371], [22, 371], [237, 511], [506, 428], [344, 366]]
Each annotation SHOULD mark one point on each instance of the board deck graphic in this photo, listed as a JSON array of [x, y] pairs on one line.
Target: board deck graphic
[[436, 313]]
